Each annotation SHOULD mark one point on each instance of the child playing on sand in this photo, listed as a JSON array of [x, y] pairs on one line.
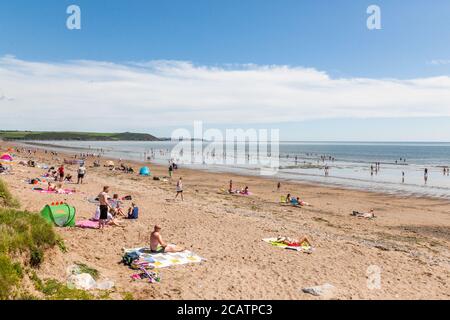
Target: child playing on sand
[[180, 189], [115, 206], [133, 212], [51, 186], [288, 198]]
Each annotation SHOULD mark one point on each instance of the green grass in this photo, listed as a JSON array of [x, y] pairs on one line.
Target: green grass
[[10, 276], [83, 136], [127, 296], [22, 234], [55, 290], [24, 237], [85, 269], [6, 198]]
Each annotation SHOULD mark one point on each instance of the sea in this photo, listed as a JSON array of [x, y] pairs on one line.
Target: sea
[[350, 164]]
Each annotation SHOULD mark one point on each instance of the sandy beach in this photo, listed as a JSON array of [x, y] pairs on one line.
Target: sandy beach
[[409, 239]]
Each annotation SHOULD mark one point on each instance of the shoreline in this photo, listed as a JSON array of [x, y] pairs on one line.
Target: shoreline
[[72, 150]]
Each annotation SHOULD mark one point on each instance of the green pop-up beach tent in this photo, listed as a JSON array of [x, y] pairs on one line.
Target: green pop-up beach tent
[[61, 215]]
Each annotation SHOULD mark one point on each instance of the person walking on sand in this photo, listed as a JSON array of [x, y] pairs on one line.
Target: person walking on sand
[[103, 198], [170, 170], [180, 189], [230, 188], [157, 244], [81, 173], [278, 186]]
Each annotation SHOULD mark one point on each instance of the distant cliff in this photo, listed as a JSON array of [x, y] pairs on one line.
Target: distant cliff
[[80, 136]]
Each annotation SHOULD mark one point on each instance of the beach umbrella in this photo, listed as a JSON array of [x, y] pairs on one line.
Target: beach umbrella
[[6, 157]]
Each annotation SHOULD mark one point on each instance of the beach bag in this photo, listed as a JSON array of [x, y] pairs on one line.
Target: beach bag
[[129, 257]]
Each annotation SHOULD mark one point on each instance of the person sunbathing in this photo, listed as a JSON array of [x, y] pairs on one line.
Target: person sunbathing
[[368, 215], [245, 191], [303, 241], [157, 244], [296, 202]]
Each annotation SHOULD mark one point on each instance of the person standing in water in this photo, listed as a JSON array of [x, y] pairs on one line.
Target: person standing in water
[[403, 176], [425, 175]]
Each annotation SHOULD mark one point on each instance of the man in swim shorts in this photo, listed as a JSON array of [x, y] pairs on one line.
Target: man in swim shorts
[[157, 244], [104, 207]]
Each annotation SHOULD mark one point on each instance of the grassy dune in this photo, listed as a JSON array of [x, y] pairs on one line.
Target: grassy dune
[[24, 237]]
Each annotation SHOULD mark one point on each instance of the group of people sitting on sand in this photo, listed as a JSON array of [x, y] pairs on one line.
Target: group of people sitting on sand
[[125, 168], [110, 209], [243, 191]]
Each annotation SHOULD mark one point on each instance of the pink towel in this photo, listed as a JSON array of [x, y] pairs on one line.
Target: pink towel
[[65, 191], [87, 224]]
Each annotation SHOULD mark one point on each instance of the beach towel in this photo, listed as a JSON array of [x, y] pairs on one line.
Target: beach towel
[[93, 200], [150, 260], [304, 247], [87, 224], [60, 191]]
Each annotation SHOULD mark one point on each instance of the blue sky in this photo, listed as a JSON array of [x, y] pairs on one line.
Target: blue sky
[[327, 36]]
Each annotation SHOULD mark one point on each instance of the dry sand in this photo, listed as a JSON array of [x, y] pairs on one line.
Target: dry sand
[[409, 240]]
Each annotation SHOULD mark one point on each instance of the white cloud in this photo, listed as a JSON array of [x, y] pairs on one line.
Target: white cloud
[[94, 95], [440, 62]]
